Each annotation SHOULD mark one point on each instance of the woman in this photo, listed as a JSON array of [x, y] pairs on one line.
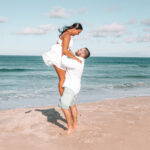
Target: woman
[[62, 47]]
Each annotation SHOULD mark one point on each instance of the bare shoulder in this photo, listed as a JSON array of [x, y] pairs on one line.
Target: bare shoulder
[[66, 36]]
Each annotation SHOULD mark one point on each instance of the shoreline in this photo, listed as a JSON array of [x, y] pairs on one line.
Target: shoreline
[[80, 103], [121, 123]]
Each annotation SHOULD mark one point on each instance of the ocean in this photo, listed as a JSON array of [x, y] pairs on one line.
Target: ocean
[[25, 81]]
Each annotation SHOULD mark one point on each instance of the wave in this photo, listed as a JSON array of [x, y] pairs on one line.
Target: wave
[[137, 76], [119, 86], [99, 76], [130, 85], [15, 70], [144, 66]]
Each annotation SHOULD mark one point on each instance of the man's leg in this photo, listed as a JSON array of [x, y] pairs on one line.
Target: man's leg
[[68, 117], [64, 103], [74, 114]]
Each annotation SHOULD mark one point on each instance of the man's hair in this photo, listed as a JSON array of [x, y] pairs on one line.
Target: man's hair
[[87, 53]]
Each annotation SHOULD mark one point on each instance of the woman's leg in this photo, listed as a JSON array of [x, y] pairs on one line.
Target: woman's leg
[[61, 75]]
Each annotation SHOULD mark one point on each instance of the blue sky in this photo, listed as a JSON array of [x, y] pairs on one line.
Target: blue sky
[[111, 28]]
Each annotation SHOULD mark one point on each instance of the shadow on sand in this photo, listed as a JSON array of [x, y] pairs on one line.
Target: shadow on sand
[[53, 116]]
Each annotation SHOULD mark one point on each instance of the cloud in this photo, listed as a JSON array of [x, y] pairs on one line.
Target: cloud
[[112, 9], [2, 20], [113, 41], [145, 38], [130, 40], [79, 11], [43, 29], [59, 12], [146, 22], [139, 39], [132, 21], [147, 29], [114, 29]]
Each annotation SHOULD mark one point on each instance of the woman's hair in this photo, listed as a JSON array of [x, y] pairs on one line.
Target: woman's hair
[[76, 26]]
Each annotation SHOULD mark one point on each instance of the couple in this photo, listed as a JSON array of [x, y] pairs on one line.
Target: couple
[[69, 68]]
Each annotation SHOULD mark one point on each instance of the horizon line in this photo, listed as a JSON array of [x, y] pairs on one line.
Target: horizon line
[[90, 56]]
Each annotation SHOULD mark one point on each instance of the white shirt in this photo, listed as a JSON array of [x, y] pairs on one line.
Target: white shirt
[[73, 73]]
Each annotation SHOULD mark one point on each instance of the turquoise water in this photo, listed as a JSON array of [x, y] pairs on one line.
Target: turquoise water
[[25, 81]]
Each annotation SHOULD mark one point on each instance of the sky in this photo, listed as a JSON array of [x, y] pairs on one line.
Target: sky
[[110, 28]]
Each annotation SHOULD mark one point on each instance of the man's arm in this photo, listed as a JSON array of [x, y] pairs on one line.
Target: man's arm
[[69, 63]]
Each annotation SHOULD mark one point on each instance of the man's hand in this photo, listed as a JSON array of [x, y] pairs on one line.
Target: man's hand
[[80, 61]]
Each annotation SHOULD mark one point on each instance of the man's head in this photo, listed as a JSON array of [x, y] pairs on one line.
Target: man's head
[[83, 52]]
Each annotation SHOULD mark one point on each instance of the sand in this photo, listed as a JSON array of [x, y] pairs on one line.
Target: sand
[[118, 124]]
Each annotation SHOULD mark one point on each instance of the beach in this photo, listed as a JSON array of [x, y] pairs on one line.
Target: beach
[[95, 54], [114, 124]]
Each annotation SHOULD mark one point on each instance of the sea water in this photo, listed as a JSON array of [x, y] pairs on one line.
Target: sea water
[[25, 81]]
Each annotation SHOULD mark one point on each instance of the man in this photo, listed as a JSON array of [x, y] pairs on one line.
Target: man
[[72, 86]]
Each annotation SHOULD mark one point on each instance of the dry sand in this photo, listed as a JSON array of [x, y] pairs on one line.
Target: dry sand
[[118, 124]]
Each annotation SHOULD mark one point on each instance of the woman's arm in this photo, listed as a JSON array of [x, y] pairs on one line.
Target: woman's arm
[[65, 46], [71, 52]]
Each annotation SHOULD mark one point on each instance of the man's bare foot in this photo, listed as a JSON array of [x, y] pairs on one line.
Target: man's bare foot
[[67, 132], [75, 125], [70, 130]]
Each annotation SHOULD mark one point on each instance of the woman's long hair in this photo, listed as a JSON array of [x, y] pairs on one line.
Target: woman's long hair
[[76, 26]]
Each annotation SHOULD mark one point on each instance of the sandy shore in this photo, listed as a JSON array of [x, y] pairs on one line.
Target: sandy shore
[[118, 124]]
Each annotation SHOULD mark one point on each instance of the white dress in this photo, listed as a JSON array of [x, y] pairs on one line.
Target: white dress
[[53, 56]]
